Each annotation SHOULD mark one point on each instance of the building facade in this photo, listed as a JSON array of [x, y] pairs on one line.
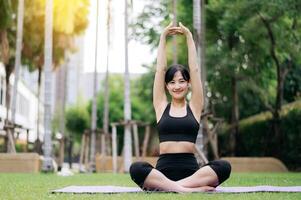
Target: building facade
[[26, 107]]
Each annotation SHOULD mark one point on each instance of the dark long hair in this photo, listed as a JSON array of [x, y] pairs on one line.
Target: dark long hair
[[173, 69]]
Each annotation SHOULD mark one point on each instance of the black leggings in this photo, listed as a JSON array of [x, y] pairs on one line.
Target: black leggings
[[177, 166]]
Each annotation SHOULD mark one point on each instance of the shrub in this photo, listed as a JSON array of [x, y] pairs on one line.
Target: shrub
[[256, 139]]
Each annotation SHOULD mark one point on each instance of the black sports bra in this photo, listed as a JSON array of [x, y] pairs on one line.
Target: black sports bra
[[178, 128]]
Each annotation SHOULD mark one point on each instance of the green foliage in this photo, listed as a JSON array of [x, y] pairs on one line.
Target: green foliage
[[77, 119], [8, 23], [160, 12], [141, 99], [229, 56], [69, 20], [141, 102], [6, 14], [292, 84], [142, 96], [291, 126], [256, 137], [238, 48], [115, 101]]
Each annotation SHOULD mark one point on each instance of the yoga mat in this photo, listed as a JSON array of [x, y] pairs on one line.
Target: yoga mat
[[261, 188], [220, 189], [98, 189]]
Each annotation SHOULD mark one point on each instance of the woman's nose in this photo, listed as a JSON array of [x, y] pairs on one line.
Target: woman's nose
[[177, 86]]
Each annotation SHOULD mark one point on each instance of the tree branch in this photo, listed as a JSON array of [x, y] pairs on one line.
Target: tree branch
[[267, 25]]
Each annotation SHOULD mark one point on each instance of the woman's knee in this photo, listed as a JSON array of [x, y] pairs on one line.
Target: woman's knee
[[139, 171], [222, 168]]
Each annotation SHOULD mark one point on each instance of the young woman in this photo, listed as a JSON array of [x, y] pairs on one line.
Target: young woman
[[178, 123]]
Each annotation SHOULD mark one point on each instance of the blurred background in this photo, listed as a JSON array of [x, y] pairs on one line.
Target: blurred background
[[101, 62]]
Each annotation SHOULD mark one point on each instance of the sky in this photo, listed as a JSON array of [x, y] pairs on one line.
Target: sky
[[139, 54]]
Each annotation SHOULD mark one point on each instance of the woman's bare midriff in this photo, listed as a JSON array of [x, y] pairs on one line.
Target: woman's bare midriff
[[177, 147]]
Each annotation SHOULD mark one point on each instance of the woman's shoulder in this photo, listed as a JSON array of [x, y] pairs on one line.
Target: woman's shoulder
[[196, 112]]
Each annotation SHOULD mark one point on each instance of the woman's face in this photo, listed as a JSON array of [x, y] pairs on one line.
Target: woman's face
[[178, 86]]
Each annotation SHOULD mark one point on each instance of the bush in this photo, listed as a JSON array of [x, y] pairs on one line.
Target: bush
[[291, 148], [256, 139]]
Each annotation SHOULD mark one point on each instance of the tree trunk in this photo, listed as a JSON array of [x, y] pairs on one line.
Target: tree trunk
[[4, 47], [7, 95], [145, 141], [234, 117], [9, 140], [114, 148], [47, 163], [281, 74], [70, 149], [10, 132], [62, 102], [281, 71], [199, 38], [38, 143], [17, 57], [198, 27], [92, 167], [127, 100], [8, 70], [107, 89], [212, 137], [7, 105], [105, 114], [61, 153], [278, 103]]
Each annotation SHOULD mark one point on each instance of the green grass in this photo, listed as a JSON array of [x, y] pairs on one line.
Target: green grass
[[38, 186]]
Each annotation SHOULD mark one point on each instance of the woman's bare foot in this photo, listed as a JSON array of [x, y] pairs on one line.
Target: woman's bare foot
[[196, 189]]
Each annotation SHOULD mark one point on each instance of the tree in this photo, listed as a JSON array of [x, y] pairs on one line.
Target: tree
[[17, 67], [77, 122], [280, 22], [69, 20], [141, 104], [226, 60], [77, 119], [250, 54], [198, 26], [94, 101], [242, 71], [7, 10], [292, 84], [155, 16], [106, 85], [127, 99], [19, 37], [47, 162]]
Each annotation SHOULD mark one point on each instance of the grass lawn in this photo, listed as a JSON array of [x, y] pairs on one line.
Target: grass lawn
[[38, 186]]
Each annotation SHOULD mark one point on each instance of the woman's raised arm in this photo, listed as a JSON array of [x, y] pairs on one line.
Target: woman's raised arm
[[197, 100], [159, 96]]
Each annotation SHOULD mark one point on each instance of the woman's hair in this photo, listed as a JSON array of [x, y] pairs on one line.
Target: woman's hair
[[173, 69]]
